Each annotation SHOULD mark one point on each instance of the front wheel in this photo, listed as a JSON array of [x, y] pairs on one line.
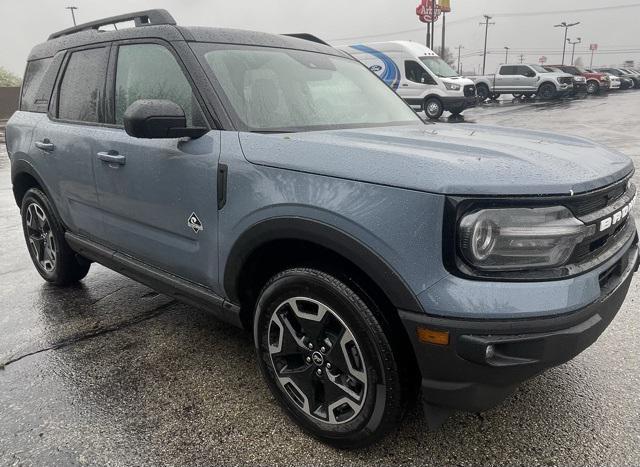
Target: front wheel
[[50, 253], [482, 91], [547, 91], [433, 108], [327, 358]]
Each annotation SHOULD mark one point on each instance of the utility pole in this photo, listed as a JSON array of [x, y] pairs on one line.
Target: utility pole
[[443, 31], [573, 52], [506, 55], [486, 34], [566, 30], [459, 51], [522, 57], [433, 24], [73, 15]]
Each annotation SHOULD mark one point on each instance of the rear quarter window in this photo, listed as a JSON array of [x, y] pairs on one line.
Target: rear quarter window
[[33, 78]]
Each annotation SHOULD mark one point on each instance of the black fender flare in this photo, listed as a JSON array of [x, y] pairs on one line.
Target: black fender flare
[[327, 236], [19, 167]]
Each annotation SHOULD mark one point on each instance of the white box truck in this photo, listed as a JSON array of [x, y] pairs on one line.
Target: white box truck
[[418, 75]]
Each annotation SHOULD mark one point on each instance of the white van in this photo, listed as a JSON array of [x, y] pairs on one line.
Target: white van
[[418, 75]]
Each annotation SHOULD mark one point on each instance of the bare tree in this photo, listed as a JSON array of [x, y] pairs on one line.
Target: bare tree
[[447, 56], [8, 79]]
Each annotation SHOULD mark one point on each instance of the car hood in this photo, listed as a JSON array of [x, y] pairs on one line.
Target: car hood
[[446, 158]]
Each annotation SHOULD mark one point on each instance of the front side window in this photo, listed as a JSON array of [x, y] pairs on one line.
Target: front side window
[[82, 84], [33, 77], [150, 71], [439, 67], [272, 89], [537, 68], [416, 73]]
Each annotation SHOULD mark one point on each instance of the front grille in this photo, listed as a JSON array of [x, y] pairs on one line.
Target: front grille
[[582, 205], [566, 80], [593, 208], [470, 90]]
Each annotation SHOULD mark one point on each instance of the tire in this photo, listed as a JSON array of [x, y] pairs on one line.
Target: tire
[[44, 235], [593, 87], [455, 111], [482, 91], [494, 96], [516, 95], [433, 108], [528, 95], [299, 315], [547, 91]]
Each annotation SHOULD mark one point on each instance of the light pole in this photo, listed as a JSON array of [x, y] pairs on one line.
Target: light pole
[[73, 15], [486, 34], [506, 55], [566, 30], [573, 51]]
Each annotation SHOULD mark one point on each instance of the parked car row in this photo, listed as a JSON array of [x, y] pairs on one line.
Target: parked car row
[[429, 84]]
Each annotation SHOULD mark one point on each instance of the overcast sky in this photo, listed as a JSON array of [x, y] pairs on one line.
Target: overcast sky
[[24, 23]]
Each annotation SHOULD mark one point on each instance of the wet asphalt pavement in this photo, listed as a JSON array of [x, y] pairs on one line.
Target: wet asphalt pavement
[[110, 373]]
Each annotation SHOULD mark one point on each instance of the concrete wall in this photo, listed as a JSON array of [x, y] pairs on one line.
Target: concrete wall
[[9, 98]]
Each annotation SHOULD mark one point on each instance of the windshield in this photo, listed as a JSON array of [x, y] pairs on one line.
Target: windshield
[[540, 69], [281, 90], [439, 67]]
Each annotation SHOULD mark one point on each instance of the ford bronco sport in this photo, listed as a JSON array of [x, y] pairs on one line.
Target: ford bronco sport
[[278, 183]]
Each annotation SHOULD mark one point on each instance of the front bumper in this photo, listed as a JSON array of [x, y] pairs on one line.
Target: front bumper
[[485, 360], [455, 102]]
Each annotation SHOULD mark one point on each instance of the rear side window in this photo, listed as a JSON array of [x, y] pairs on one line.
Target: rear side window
[[150, 71], [82, 86], [33, 77]]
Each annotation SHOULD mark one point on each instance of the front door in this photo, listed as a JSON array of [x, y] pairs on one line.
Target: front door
[[417, 83], [158, 196]]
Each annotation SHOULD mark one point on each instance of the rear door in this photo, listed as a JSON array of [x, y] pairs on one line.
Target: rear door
[[65, 139], [506, 79], [158, 196]]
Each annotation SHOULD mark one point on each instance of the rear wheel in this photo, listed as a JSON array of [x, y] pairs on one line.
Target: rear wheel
[[49, 251], [327, 358], [494, 96], [547, 91], [433, 108], [517, 95]]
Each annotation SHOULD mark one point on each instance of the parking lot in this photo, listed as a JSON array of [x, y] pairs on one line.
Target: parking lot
[[111, 373]]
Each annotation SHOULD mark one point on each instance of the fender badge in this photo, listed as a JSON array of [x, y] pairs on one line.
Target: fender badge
[[194, 223]]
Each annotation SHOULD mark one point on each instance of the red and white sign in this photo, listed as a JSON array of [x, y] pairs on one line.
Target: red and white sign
[[424, 10], [593, 47]]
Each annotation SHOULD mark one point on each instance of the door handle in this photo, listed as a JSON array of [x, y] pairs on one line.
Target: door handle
[[112, 157], [405, 85], [45, 145]]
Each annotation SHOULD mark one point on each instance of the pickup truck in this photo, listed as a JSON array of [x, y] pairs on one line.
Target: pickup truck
[[526, 80]]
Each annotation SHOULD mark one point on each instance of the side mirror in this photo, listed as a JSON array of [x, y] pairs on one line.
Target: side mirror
[[157, 118]]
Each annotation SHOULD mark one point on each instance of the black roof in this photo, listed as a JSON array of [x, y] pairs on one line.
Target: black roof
[[161, 25]]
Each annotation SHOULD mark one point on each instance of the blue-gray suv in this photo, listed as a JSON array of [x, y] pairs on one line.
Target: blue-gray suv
[[278, 183]]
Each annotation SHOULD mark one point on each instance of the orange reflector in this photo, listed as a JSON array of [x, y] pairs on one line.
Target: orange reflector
[[431, 336]]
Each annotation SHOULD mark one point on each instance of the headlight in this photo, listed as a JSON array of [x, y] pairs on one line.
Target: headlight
[[520, 238], [452, 86], [605, 78]]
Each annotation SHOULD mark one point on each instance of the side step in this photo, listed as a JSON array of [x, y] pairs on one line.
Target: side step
[[162, 281]]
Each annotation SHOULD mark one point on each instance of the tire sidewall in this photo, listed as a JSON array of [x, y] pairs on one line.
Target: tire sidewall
[[593, 87], [485, 92], [301, 283], [551, 91]]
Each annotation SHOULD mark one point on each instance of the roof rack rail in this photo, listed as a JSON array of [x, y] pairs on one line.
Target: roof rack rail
[[141, 18], [308, 37]]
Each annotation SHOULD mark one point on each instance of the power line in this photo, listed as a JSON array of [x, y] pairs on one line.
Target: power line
[[495, 15]]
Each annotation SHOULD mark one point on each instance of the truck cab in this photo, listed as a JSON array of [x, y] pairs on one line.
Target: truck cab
[[523, 79], [418, 75]]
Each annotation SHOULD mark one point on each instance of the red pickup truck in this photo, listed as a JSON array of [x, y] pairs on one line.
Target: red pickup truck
[[596, 82]]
